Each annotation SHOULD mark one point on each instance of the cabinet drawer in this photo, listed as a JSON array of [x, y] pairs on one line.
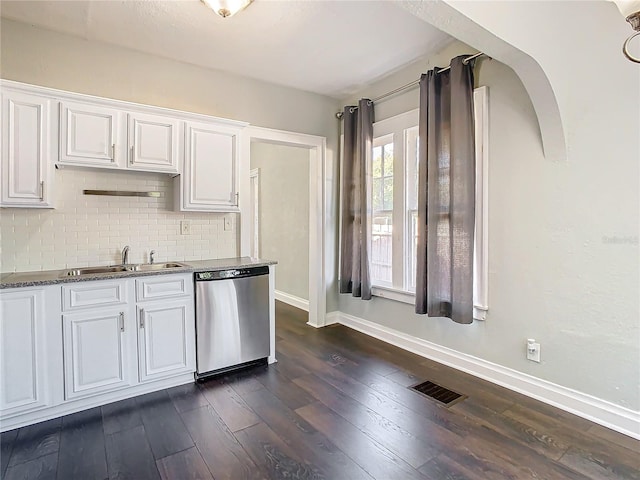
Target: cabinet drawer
[[152, 288], [89, 294]]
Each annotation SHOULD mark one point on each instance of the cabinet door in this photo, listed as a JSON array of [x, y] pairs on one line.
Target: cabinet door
[[22, 351], [166, 338], [96, 352], [209, 182], [26, 150], [153, 143], [90, 135]]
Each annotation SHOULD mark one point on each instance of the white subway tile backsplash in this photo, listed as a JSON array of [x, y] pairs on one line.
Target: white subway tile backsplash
[[92, 230]]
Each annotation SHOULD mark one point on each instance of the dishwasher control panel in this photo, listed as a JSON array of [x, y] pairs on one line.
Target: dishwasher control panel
[[232, 273]]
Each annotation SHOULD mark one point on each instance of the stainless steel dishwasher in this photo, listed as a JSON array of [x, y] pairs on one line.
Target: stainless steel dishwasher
[[232, 319]]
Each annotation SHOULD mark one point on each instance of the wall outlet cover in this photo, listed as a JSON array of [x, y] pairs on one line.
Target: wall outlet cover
[[533, 351], [228, 224], [185, 227]]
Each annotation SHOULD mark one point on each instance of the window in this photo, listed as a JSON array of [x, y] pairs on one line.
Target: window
[[393, 188], [382, 211]]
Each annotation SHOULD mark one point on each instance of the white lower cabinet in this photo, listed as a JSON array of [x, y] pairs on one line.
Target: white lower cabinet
[[166, 326], [64, 348], [97, 353], [166, 339], [22, 351]]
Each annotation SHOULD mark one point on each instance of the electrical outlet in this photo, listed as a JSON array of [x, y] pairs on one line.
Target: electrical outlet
[[227, 222], [185, 227], [533, 350]]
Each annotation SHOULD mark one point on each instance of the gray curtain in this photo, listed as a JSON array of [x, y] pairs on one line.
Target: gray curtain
[[446, 194], [358, 144]]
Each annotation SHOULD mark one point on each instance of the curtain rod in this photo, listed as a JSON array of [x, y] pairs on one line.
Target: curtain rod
[[411, 84]]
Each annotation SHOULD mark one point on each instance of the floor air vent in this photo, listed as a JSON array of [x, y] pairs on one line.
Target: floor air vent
[[438, 393]]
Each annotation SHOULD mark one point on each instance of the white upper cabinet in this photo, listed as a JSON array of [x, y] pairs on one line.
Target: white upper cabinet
[[26, 150], [210, 175], [44, 128], [91, 135], [99, 136], [153, 143]]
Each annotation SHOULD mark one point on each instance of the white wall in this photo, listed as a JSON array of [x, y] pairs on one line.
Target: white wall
[[89, 230], [284, 213], [42, 57], [554, 275]]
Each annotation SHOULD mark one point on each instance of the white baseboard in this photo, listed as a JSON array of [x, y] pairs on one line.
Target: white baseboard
[[292, 300], [332, 318], [600, 411]]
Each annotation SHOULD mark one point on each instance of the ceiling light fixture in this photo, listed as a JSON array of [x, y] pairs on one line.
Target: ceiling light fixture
[[227, 8], [630, 10]]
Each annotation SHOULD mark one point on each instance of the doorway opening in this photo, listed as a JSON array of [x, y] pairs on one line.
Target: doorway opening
[[314, 149], [280, 216]]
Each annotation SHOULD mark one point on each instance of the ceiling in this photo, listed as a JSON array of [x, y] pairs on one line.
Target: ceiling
[[328, 47]]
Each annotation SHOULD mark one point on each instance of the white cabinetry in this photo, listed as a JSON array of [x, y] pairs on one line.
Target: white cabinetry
[[209, 182], [42, 127], [30, 350], [110, 343], [26, 150], [166, 343], [65, 348], [94, 135], [166, 326], [153, 143], [96, 356], [98, 336], [91, 135], [23, 351]]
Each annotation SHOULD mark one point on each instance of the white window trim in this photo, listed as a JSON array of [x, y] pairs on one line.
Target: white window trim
[[394, 294], [481, 244]]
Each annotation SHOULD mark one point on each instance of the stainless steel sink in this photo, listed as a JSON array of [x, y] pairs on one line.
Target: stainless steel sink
[[142, 267], [145, 267]]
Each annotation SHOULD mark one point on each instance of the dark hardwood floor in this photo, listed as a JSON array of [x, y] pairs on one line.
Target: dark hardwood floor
[[336, 406]]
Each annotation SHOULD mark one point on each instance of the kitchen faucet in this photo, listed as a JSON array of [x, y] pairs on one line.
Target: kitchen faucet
[[125, 255]]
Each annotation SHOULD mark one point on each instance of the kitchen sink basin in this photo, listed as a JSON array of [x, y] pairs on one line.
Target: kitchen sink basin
[[145, 267], [142, 267]]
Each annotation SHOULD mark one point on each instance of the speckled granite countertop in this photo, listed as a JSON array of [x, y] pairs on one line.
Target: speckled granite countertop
[[52, 277]]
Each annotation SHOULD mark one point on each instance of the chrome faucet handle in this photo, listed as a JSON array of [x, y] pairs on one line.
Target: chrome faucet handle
[[152, 254], [125, 255]]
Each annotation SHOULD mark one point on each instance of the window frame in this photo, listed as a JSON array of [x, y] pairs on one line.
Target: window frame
[[394, 128], [398, 126]]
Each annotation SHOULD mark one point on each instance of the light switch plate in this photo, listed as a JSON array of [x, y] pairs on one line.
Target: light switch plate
[[227, 223]]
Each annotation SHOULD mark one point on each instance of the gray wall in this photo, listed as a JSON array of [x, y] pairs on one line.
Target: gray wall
[[284, 213], [42, 57], [51, 59], [553, 276]]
